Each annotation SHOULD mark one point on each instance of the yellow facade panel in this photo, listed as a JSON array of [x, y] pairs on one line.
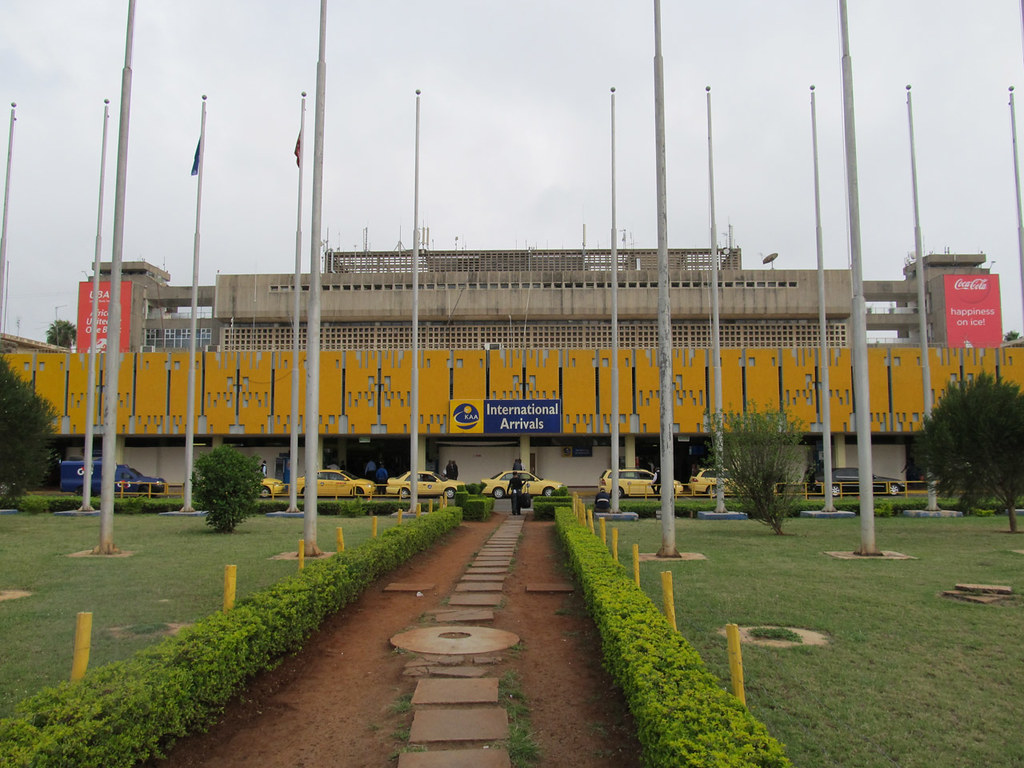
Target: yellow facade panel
[[732, 380], [282, 405], [542, 374], [77, 392], [469, 375], [579, 391], [362, 381], [505, 369], [647, 389], [840, 381], [434, 388], [760, 367], [396, 377], [220, 373], [907, 389], [799, 384], [149, 405], [689, 368], [49, 379]]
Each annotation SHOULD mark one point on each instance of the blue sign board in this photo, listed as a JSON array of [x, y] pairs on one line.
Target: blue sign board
[[522, 416]]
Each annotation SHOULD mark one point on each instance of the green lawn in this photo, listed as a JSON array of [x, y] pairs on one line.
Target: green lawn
[[176, 575], [909, 679]]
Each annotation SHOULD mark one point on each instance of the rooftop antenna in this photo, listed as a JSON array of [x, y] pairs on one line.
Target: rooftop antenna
[[770, 259]]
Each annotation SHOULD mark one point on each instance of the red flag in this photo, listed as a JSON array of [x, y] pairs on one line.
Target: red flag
[[298, 151]]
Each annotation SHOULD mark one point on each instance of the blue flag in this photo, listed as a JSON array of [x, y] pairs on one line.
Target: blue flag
[[195, 163]]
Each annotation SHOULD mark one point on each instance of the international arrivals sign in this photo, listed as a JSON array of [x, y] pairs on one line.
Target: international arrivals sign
[[973, 316], [504, 417]]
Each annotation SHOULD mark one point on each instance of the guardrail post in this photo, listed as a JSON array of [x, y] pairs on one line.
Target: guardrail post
[[230, 581], [83, 644], [732, 633], [668, 598]]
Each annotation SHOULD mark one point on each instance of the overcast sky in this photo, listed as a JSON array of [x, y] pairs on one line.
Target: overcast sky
[[515, 130]]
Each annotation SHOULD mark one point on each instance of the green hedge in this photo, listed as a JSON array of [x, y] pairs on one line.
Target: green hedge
[[478, 508], [128, 711], [683, 716]]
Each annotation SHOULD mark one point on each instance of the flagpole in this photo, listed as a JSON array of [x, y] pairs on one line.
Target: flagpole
[[414, 396], [90, 395], [193, 325], [666, 390], [3, 225], [313, 306], [922, 320], [293, 448], [824, 389], [858, 316], [1016, 180], [112, 361], [716, 344], [614, 410]]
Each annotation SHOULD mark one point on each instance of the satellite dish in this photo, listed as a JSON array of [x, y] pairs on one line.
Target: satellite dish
[[769, 258]]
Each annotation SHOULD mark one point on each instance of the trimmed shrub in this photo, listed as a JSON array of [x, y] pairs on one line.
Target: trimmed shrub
[[682, 715], [226, 484], [478, 508]]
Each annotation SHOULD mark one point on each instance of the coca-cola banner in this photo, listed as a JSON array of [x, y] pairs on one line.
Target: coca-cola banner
[[973, 315], [103, 315]]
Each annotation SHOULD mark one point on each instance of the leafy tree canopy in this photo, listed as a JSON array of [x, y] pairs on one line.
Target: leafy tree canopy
[[762, 455], [226, 484], [62, 333], [26, 427], [973, 443]]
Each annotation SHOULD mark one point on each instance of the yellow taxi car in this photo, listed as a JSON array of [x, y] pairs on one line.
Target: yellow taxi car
[[497, 485], [271, 486], [337, 482], [705, 482], [634, 482], [429, 484]]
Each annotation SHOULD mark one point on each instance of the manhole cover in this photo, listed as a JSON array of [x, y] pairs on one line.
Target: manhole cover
[[455, 640]]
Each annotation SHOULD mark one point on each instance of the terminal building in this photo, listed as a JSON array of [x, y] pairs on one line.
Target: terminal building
[[525, 334]]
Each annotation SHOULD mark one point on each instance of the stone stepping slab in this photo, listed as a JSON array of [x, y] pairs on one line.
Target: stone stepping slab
[[486, 598], [481, 577], [409, 586], [463, 724], [479, 586], [482, 691], [493, 562], [456, 758], [466, 614], [487, 570], [543, 587]]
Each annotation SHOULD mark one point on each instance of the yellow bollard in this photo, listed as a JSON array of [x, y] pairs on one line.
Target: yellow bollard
[[732, 634], [418, 505], [668, 598], [230, 580], [374, 533], [615, 544], [604, 531], [400, 513], [83, 643], [341, 539], [302, 554], [430, 507], [636, 564]]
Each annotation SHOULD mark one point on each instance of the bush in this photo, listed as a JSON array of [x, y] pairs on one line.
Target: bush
[[34, 505], [226, 484], [478, 508], [473, 489]]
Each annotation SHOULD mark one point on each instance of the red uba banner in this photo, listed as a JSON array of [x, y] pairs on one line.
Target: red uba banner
[[973, 314], [103, 315]]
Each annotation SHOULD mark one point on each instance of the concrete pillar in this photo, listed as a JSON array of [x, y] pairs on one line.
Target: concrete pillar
[[421, 451], [524, 452], [119, 448], [839, 447], [630, 451]]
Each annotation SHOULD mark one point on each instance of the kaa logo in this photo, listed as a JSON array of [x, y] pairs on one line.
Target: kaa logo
[[466, 416]]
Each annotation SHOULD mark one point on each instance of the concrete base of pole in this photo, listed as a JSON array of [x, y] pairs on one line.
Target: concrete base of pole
[[932, 513]]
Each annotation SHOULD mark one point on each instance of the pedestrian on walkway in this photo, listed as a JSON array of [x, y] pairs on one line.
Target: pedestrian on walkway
[[517, 465], [451, 470], [381, 477], [371, 470], [515, 490]]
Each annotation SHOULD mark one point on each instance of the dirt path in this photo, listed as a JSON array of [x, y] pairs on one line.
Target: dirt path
[[334, 703]]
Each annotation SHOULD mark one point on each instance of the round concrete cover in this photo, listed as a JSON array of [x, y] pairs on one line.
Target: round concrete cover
[[455, 640]]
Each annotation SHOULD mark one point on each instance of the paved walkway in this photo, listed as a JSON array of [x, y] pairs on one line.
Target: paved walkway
[[456, 714]]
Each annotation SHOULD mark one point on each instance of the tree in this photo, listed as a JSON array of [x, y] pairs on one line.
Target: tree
[[227, 485], [973, 443], [1011, 336], [62, 333], [764, 462], [26, 428]]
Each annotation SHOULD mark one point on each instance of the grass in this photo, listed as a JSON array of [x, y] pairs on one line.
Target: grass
[[908, 679], [175, 576], [523, 751]]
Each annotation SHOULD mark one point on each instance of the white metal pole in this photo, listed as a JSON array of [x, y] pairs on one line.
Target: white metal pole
[[858, 317], [716, 343], [666, 390], [112, 361], [414, 394], [1016, 181], [313, 310], [825, 362], [3, 224], [193, 325], [293, 447], [922, 320], [90, 395], [614, 409]]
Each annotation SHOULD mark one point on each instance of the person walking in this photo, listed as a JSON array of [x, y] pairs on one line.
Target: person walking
[[370, 472], [515, 490], [263, 468], [381, 476], [517, 465], [451, 470]]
